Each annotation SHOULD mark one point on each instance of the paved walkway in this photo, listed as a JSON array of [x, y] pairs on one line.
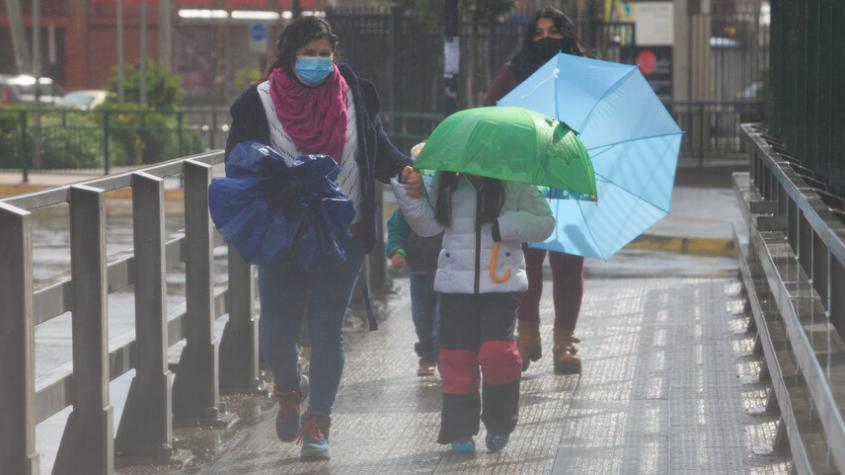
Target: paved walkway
[[668, 385]]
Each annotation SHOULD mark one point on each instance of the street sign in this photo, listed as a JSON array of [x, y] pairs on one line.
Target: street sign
[[258, 32], [258, 37]]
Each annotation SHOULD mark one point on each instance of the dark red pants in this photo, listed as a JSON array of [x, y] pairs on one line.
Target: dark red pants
[[476, 344], [567, 287]]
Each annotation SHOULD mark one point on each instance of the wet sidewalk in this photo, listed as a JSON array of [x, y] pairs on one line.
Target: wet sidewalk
[[669, 385]]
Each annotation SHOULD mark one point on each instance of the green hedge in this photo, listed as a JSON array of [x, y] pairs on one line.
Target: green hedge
[[74, 139]]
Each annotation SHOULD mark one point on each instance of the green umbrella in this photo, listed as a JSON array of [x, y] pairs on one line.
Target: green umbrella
[[511, 144]]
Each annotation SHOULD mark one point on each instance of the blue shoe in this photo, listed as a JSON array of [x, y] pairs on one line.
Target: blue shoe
[[497, 442], [463, 446], [289, 417], [315, 437]]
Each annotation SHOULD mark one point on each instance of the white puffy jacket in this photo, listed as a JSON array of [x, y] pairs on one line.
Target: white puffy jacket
[[464, 263]]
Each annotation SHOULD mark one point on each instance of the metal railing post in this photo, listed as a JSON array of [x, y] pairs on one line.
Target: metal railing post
[[17, 393], [239, 345], [105, 142], [146, 428], [701, 131], [213, 132], [837, 298], [87, 445], [24, 151], [195, 389], [179, 117]]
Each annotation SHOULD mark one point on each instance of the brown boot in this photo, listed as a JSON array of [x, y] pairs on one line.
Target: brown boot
[[528, 343], [564, 351]]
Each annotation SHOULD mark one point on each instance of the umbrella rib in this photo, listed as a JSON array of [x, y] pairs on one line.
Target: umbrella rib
[[648, 137], [631, 193], [532, 91], [606, 93]]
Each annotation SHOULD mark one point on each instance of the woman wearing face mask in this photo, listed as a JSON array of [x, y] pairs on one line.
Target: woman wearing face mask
[[310, 105], [549, 32]]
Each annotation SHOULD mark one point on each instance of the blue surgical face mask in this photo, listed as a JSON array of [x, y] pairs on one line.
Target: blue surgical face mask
[[313, 70]]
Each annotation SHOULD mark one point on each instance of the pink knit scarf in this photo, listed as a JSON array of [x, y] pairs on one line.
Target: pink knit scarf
[[315, 118]]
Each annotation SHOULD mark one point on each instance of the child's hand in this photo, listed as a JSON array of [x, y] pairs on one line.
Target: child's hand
[[413, 182], [397, 261]]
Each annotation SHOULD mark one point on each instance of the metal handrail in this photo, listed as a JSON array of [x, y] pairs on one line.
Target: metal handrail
[[145, 432], [824, 226], [803, 253]]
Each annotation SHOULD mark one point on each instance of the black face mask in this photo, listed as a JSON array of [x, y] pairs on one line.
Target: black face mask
[[546, 48]]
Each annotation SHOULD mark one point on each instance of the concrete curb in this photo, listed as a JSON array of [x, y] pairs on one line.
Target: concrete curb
[[712, 247]]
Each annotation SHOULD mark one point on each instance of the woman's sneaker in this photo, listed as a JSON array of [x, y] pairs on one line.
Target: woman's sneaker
[[463, 446], [497, 442], [289, 417], [314, 436]]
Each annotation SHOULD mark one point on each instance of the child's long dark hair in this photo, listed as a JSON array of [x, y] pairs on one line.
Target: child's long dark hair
[[491, 196]]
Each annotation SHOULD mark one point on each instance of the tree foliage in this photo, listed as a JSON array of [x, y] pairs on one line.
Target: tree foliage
[[164, 89]]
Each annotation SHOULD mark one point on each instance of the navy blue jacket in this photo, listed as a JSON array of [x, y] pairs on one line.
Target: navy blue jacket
[[378, 158]]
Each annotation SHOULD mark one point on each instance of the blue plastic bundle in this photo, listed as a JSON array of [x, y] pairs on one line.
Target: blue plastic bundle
[[268, 210]]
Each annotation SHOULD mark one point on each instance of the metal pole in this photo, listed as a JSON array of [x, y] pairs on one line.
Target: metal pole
[[492, 46], [36, 71], [395, 12], [165, 40], [24, 156], [142, 70], [227, 59], [179, 118], [451, 56], [13, 10], [105, 142], [121, 92]]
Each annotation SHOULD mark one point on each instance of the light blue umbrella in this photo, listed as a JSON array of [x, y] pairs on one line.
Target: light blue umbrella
[[632, 140]]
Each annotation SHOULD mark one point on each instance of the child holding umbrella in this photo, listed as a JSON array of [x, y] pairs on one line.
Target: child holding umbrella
[[480, 276]]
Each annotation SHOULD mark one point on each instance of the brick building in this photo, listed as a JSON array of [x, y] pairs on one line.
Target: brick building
[[79, 39]]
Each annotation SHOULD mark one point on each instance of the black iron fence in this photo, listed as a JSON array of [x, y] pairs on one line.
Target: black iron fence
[[104, 139], [401, 52], [807, 93]]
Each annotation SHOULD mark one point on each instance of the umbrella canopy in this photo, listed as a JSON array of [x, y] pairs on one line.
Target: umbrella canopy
[[631, 138], [268, 210], [511, 144]]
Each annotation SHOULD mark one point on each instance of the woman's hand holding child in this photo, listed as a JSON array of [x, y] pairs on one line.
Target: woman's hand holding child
[[413, 182]]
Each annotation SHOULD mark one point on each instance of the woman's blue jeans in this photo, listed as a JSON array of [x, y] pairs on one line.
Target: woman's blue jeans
[[425, 310], [286, 292]]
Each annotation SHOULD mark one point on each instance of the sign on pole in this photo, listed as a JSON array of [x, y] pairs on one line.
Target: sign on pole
[[258, 38]]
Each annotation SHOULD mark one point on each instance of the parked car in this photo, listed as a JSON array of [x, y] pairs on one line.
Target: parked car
[[21, 89], [85, 99]]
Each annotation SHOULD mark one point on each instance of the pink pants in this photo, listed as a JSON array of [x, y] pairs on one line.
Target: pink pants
[[567, 287]]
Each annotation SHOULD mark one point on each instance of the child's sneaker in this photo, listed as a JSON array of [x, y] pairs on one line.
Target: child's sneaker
[[497, 442], [314, 436], [426, 368], [463, 446], [288, 418]]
